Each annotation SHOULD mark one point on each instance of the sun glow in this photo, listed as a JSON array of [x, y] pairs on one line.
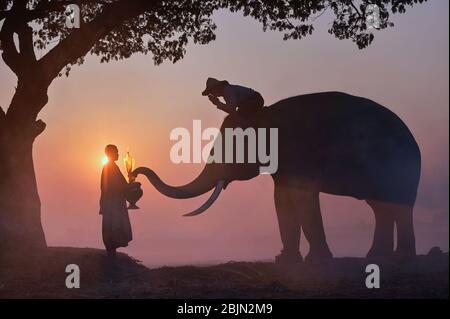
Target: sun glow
[[105, 160]]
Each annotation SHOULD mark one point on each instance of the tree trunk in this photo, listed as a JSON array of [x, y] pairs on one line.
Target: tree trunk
[[20, 208]]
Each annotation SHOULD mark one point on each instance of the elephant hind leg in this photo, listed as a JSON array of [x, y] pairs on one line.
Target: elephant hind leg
[[406, 243], [386, 216], [383, 238]]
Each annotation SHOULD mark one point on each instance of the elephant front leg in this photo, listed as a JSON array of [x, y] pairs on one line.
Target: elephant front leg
[[308, 207], [289, 225]]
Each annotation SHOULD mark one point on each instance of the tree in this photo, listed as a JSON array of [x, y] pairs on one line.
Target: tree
[[113, 30]]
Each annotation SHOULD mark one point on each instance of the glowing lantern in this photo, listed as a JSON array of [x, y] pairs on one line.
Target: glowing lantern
[[134, 191], [129, 166]]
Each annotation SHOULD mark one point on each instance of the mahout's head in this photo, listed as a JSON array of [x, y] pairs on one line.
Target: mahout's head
[[214, 87], [112, 152]]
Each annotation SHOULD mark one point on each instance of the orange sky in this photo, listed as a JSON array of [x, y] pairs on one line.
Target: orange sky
[[135, 105]]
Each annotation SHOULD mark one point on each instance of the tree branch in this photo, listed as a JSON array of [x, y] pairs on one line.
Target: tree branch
[[10, 54], [14, 24], [80, 41], [26, 47], [45, 7], [2, 121], [34, 81], [356, 9], [21, 61]]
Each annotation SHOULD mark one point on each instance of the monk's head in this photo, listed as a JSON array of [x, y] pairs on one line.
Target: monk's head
[[112, 152]]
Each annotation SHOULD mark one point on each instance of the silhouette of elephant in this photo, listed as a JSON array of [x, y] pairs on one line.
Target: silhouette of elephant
[[329, 142]]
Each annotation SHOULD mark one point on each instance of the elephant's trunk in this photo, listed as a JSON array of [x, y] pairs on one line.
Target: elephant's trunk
[[202, 184]]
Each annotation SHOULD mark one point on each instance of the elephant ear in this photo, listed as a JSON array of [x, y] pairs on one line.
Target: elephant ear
[[233, 121], [256, 119], [237, 171]]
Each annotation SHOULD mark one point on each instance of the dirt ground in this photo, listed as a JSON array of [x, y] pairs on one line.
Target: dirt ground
[[44, 276]]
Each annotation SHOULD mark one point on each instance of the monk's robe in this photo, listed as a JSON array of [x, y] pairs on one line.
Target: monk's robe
[[116, 227]]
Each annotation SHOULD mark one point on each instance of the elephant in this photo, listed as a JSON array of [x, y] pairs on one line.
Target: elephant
[[328, 142]]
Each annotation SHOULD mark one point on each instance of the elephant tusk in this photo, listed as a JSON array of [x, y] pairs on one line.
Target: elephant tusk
[[210, 200]]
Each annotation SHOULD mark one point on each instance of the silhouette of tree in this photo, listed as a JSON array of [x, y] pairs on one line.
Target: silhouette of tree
[[113, 30]]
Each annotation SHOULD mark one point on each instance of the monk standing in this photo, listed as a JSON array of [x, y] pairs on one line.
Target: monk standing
[[116, 227]]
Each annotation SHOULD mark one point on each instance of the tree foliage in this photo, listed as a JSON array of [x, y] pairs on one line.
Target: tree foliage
[[116, 29]]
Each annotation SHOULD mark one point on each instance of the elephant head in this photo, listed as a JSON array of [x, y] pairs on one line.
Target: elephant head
[[215, 175]]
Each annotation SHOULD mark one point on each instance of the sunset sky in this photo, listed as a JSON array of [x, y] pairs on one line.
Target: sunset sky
[[135, 105]]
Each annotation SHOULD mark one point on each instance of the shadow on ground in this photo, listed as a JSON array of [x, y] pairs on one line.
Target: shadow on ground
[[44, 276]]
